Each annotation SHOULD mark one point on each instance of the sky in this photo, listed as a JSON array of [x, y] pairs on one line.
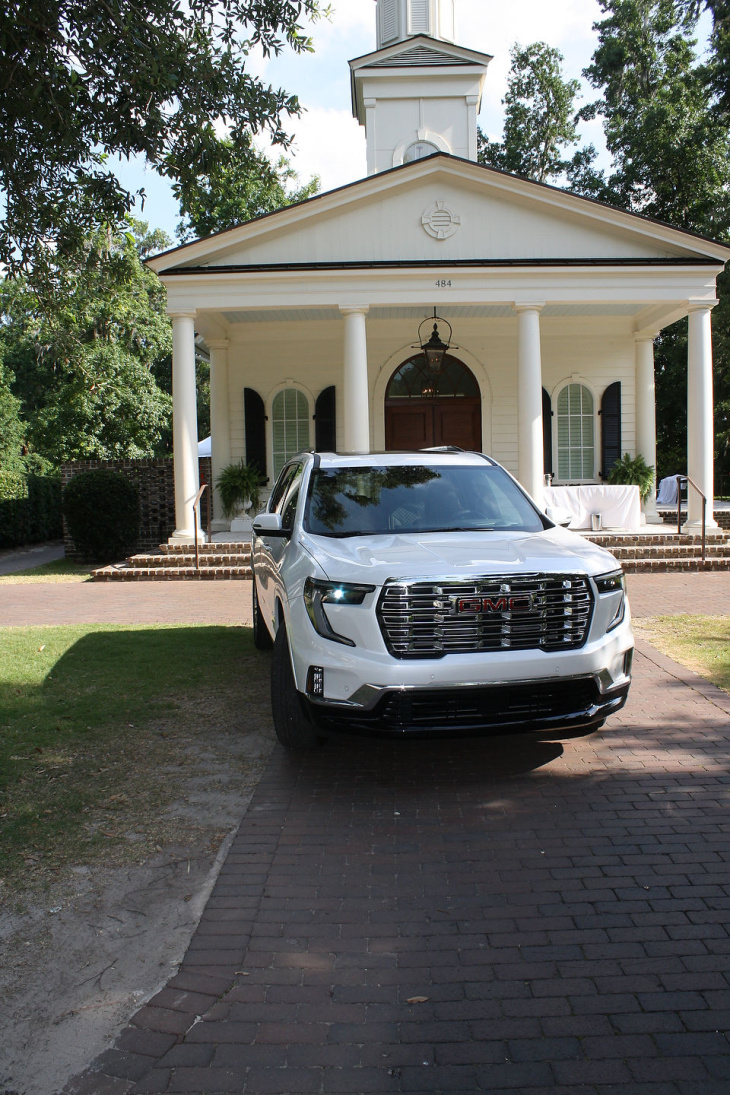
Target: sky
[[329, 142]]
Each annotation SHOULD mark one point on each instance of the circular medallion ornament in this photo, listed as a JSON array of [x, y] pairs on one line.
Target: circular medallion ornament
[[440, 222]]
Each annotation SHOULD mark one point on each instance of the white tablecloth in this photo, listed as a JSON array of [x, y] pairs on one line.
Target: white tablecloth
[[619, 507]]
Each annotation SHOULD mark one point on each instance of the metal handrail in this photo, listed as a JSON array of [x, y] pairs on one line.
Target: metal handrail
[[690, 482], [196, 511]]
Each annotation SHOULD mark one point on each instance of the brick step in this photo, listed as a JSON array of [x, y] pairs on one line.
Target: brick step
[[169, 574], [613, 539], [713, 551], [215, 547], [662, 566], [217, 560]]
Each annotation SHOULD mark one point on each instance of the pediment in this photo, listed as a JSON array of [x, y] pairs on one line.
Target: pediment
[[419, 51], [442, 210]]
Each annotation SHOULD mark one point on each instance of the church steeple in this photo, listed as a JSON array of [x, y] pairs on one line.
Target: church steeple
[[418, 93], [399, 20]]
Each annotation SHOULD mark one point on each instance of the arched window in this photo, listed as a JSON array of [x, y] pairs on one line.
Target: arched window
[[576, 433], [414, 380], [418, 151], [289, 426]]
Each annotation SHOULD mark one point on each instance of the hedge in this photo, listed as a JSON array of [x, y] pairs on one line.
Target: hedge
[[30, 509]]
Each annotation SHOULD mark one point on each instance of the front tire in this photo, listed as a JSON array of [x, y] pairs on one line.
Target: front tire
[[293, 728], [261, 637]]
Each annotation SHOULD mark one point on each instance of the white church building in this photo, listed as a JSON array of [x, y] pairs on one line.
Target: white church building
[[313, 316]]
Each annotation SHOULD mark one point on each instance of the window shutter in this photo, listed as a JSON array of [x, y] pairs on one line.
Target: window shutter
[[419, 21], [255, 426], [547, 432], [325, 432], [610, 428], [389, 19]]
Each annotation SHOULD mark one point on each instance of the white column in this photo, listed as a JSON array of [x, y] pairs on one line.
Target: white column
[[184, 424], [530, 463], [700, 422], [356, 396], [220, 422], [646, 415]]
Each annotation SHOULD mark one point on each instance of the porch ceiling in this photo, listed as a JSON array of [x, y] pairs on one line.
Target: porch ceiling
[[455, 311]]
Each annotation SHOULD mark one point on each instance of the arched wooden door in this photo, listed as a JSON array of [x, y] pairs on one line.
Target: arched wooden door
[[423, 409]]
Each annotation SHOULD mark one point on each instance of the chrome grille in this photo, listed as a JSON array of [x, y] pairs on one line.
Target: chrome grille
[[494, 613]]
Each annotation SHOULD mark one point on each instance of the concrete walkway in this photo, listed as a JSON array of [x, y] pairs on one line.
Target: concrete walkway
[[464, 916], [33, 556]]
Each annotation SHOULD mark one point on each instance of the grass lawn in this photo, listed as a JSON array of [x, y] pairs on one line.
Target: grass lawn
[[60, 570], [98, 725], [702, 643]]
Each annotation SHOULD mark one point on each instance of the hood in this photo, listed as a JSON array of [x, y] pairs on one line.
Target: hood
[[375, 559]]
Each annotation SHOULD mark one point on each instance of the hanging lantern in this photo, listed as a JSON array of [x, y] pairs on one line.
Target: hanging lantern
[[435, 350]]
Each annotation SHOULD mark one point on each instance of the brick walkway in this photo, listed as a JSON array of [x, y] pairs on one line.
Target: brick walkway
[[556, 914], [133, 603], [230, 602]]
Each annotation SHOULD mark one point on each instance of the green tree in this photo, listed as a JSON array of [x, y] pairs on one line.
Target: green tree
[[540, 121], [239, 183], [82, 80], [671, 160], [84, 372], [12, 428]]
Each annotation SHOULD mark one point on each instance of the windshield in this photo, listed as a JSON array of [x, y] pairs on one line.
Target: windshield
[[368, 501]]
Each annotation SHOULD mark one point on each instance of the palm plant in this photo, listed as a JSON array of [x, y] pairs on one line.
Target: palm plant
[[237, 483], [633, 471]]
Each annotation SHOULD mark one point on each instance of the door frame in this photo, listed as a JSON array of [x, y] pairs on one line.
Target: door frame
[[398, 358]]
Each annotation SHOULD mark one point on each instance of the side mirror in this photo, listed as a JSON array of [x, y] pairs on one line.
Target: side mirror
[[269, 524]]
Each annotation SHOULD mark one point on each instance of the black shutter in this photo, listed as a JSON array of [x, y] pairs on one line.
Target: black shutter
[[610, 428], [547, 432], [325, 430], [255, 425]]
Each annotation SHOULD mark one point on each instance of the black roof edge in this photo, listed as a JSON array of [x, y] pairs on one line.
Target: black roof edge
[[456, 159], [440, 264]]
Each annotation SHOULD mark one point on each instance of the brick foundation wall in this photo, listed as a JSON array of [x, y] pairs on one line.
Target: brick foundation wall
[[154, 479], [721, 516]]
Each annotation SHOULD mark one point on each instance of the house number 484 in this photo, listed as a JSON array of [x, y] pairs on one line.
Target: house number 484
[[443, 283]]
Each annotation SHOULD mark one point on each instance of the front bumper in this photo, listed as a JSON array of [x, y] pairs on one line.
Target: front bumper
[[549, 706]]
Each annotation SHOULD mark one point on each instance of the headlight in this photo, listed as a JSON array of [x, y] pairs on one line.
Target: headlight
[[613, 583], [317, 594]]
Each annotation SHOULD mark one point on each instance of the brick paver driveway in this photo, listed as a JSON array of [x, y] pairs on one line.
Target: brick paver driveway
[[466, 916]]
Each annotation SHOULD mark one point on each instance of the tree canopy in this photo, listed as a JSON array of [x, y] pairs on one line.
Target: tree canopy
[[237, 184], [83, 79], [85, 372], [540, 118]]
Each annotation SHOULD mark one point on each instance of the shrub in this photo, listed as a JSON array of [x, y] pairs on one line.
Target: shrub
[[30, 508], [633, 472], [102, 512]]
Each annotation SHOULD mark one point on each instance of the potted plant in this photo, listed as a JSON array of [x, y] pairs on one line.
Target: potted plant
[[634, 472], [239, 486]]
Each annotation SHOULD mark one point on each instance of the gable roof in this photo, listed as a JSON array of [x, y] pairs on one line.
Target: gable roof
[[504, 220], [420, 54]]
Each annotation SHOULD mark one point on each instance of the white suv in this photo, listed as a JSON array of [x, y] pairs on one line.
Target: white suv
[[425, 592]]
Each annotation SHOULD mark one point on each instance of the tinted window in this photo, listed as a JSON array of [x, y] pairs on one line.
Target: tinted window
[[366, 501], [282, 485]]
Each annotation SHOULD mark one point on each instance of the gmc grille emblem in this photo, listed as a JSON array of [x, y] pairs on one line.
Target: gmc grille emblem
[[472, 606]]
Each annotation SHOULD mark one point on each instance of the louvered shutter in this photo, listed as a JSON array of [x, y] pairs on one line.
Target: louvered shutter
[[325, 439], [255, 425], [547, 432], [389, 19], [419, 21], [610, 428]]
